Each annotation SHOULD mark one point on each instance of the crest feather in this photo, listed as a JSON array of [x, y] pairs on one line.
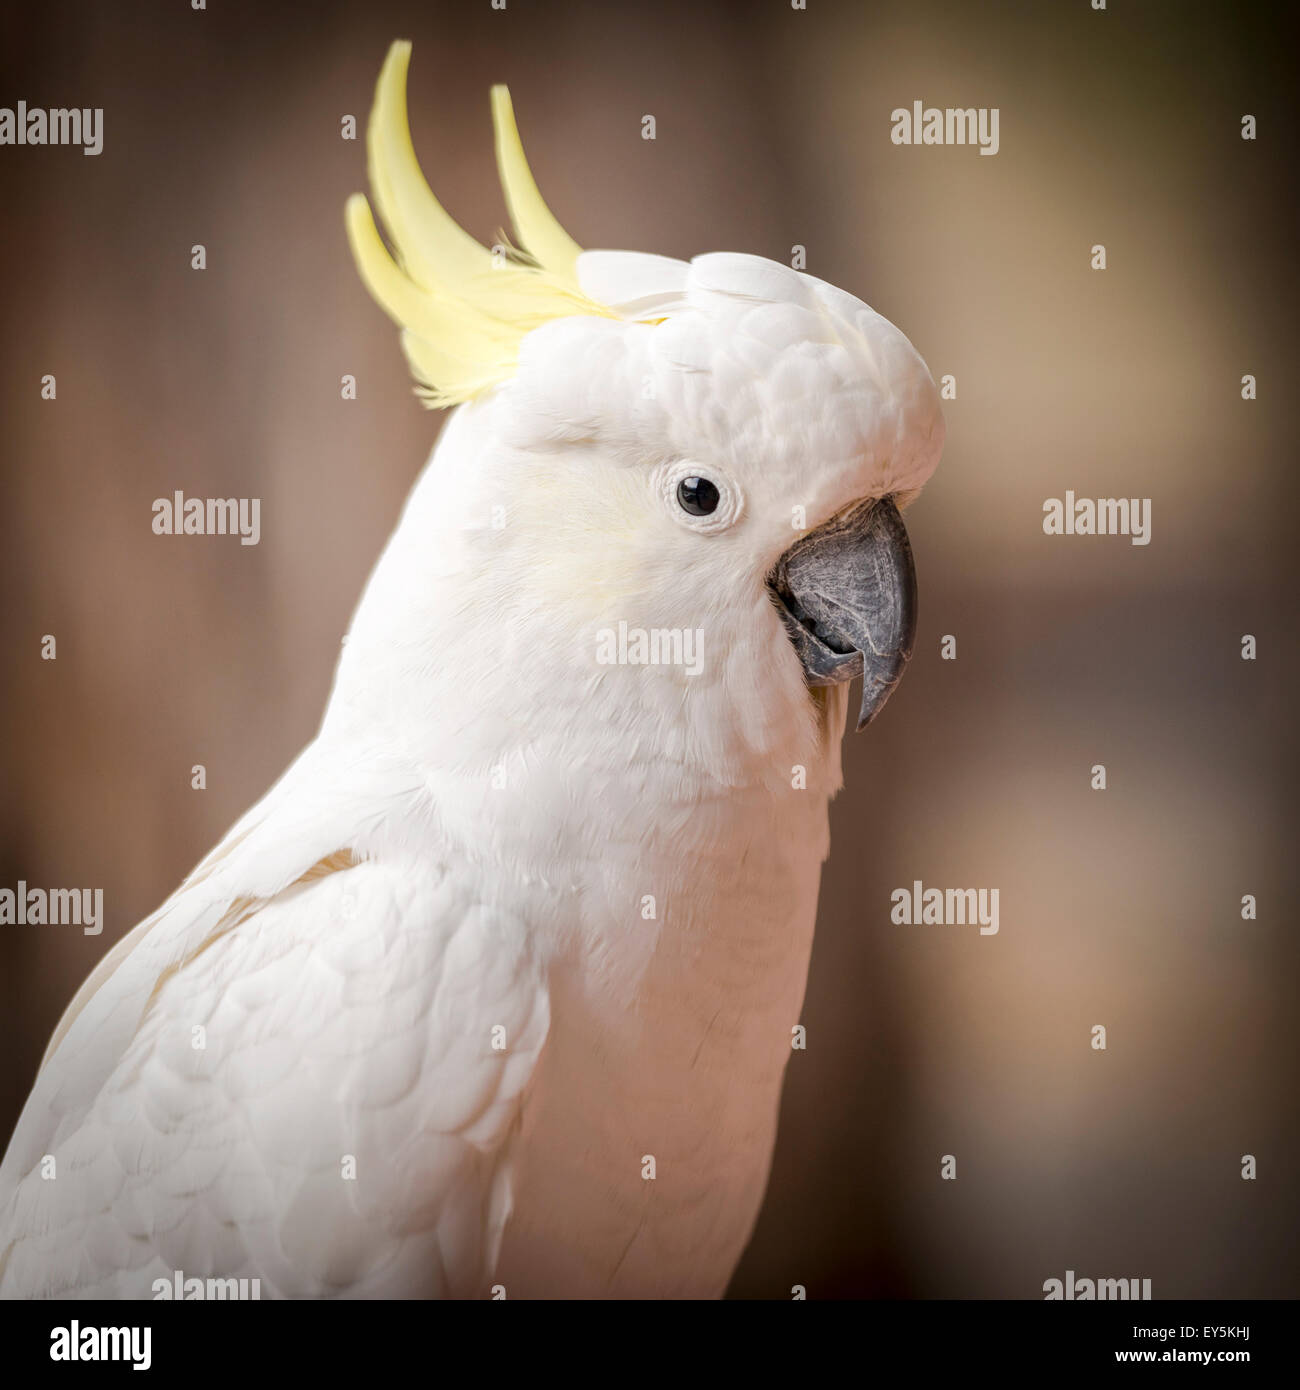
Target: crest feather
[[534, 223], [463, 310]]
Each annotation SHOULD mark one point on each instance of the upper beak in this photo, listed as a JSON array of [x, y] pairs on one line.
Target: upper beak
[[847, 595]]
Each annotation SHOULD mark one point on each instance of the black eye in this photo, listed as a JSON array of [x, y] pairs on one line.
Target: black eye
[[697, 496]]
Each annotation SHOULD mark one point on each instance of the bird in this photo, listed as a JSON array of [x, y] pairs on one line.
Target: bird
[[492, 994]]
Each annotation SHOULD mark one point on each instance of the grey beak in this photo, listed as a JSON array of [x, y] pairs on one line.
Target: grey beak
[[847, 595]]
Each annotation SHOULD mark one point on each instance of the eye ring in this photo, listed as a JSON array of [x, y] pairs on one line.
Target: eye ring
[[699, 496]]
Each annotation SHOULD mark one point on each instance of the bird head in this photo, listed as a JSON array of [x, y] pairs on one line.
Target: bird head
[[717, 449]]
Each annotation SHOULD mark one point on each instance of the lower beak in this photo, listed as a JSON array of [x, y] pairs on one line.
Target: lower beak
[[847, 595]]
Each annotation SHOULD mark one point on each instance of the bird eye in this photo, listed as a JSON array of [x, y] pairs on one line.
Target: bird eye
[[697, 496], [702, 505]]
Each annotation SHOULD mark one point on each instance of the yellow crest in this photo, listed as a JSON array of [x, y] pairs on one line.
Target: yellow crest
[[462, 311]]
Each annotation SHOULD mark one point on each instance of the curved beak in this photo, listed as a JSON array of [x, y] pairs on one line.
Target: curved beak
[[847, 595]]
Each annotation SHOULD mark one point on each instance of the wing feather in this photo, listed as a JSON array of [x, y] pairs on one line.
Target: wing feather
[[288, 1072]]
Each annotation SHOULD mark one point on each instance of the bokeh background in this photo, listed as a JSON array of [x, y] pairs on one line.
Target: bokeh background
[[1119, 907]]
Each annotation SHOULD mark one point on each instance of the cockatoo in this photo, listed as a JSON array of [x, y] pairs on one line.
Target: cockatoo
[[493, 993]]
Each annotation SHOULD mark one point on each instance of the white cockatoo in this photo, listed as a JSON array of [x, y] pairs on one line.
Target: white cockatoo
[[493, 992]]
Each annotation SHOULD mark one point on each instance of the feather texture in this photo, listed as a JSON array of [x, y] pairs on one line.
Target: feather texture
[[289, 1075]]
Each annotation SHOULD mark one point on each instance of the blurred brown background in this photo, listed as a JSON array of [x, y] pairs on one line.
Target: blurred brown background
[[1119, 907]]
